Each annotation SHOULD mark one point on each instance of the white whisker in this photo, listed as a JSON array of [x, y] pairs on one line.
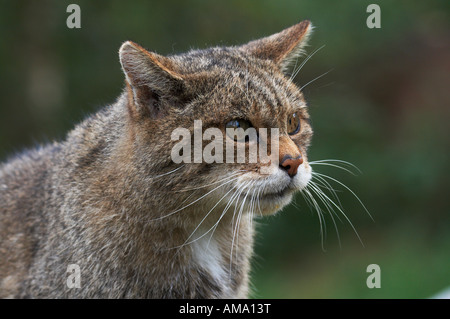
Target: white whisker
[[337, 161], [322, 182], [216, 182], [319, 183], [237, 222], [343, 214], [323, 74], [187, 242], [230, 202], [325, 200], [319, 214], [294, 74], [346, 187], [195, 201], [165, 174], [337, 166]]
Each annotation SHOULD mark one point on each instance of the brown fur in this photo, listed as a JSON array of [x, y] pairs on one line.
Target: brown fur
[[98, 199]]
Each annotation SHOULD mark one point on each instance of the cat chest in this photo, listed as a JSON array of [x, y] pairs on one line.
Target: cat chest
[[214, 268]]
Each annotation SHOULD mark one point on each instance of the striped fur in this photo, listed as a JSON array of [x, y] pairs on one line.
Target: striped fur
[[109, 199]]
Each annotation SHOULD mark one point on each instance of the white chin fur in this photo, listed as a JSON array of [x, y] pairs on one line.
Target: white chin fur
[[303, 176], [275, 190]]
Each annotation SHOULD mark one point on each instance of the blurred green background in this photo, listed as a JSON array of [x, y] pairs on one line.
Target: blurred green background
[[384, 106]]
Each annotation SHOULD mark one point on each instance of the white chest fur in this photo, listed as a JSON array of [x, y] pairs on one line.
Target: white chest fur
[[207, 255]]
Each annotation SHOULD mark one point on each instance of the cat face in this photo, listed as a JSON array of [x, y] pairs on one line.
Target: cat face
[[225, 90]]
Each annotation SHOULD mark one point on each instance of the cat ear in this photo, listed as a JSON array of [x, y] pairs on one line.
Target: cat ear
[[282, 48], [150, 78]]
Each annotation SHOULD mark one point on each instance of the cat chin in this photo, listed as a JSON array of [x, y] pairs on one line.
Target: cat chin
[[275, 202], [273, 192], [268, 203], [271, 204]]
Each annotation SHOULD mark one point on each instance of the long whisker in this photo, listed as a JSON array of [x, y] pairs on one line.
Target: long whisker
[[294, 74], [325, 201], [195, 201], [294, 71], [333, 165], [187, 242], [343, 214], [238, 226], [259, 201], [227, 207], [322, 182], [165, 174], [337, 161], [252, 207], [346, 187], [319, 213], [237, 222], [323, 74], [206, 185]]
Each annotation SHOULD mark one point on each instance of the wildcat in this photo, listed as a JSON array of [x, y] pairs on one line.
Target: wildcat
[[110, 199]]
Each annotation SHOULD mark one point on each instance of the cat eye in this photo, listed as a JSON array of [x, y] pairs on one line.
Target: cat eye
[[293, 124], [236, 130]]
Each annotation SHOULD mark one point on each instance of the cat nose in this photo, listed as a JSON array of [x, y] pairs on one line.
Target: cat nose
[[290, 165]]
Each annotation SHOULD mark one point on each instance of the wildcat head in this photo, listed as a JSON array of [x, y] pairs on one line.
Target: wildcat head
[[224, 87]]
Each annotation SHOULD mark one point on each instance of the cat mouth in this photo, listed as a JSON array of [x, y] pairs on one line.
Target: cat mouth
[[276, 196], [269, 194], [264, 201], [268, 197]]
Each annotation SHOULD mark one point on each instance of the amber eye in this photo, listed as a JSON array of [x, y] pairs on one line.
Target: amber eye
[[293, 124], [236, 130]]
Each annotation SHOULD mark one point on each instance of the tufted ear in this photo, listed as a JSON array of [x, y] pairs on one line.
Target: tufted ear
[[282, 48], [150, 78]]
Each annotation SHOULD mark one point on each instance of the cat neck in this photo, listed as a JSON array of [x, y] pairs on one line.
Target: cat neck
[[143, 229]]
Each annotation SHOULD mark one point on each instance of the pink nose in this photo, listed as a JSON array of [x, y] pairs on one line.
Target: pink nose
[[290, 165]]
